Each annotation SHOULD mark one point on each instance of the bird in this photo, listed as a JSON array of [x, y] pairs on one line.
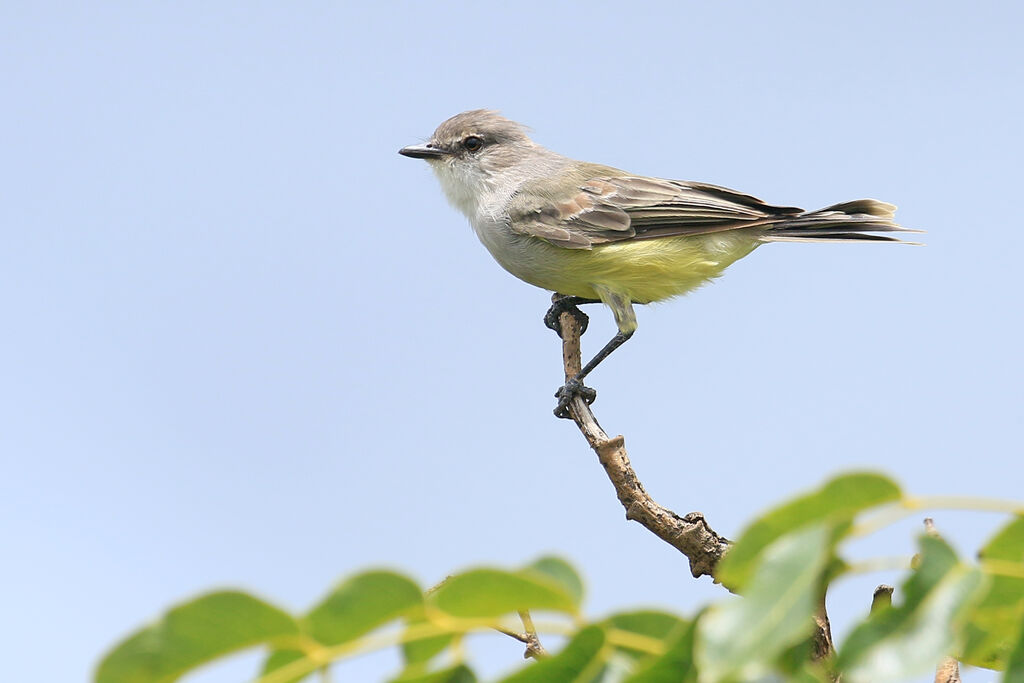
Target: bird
[[593, 233]]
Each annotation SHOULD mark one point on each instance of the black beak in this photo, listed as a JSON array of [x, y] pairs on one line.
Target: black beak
[[422, 152]]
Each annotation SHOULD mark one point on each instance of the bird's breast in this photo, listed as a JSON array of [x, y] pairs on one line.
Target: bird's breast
[[643, 270]]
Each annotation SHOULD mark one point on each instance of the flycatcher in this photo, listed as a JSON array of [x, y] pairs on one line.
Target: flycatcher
[[593, 233]]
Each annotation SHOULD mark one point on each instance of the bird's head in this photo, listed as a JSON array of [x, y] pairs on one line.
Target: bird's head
[[472, 152]]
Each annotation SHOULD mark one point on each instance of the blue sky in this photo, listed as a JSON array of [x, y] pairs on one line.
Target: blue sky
[[247, 344]]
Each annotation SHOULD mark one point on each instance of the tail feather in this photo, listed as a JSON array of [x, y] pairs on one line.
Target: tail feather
[[845, 222]]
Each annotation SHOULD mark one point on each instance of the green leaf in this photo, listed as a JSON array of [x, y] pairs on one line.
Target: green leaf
[[1007, 544], [1015, 662], [361, 604], [898, 643], [484, 593], [456, 674], [810, 673], [651, 623], [648, 623], [741, 638], [837, 502], [994, 622], [279, 658], [423, 650], [192, 634], [580, 660], [562, 573], [676, 665]]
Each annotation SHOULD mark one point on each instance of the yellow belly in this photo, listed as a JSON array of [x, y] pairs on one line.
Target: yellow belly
[[642, 270]]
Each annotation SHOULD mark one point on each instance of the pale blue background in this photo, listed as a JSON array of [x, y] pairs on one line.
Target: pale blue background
[[247, 344]]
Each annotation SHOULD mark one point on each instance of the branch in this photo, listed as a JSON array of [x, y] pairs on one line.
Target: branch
[[691, 535], [529, 637], [533, 647]]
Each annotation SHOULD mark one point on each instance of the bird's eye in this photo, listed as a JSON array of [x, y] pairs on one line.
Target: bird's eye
[[473, 143]]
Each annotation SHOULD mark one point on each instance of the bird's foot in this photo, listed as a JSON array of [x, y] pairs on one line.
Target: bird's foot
[[570, 390], [566, 304]]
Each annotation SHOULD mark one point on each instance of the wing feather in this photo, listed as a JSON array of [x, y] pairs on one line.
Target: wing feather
[[612, 208]]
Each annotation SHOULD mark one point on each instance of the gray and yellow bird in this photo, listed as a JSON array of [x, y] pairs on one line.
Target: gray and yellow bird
[[596, 233]]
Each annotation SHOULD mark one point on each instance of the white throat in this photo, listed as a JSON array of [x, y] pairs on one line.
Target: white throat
[[464, 185]]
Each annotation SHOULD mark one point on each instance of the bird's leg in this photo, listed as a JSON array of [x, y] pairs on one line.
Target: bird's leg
[[567, 304], [574, 385], [625, 318], [615, 342]]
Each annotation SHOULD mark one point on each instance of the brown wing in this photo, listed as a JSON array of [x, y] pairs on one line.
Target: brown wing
[[621, 207]]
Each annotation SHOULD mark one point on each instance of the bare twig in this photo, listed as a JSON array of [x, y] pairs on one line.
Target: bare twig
[[529, 637], [521, 637], [691, 534], [533, 647]]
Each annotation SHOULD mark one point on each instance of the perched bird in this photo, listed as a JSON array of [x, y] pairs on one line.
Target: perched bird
[[593, 233]]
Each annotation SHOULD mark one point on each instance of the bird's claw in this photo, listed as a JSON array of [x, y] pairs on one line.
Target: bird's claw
[[566, 393], [552, 317]]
